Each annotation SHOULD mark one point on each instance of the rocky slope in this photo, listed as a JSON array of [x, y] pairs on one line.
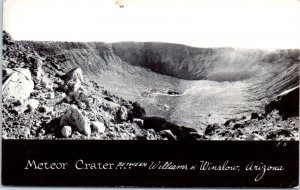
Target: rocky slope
[[279, 121], [67, 98], [40, 101], [179, 61]]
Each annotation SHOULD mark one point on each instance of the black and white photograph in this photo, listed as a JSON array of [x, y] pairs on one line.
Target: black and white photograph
[[141, 70], [150, 70]]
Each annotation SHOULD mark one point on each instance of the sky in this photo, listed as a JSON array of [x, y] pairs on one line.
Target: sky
[[199, 23]]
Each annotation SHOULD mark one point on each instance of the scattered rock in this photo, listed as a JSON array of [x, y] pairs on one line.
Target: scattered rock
[[69, 99], [74, 117], [51, 95], [98, 127], [160, 124], [26, 132], [229, 121], [81, 105], [45, 109], [141, 137], [210, 129], [62, 95], [18, 110], [254, 136], [66, 131], [122, 114], [108, 99], [19, 102], [17, 84], [238, 133], [48, 85], [272, 135], [111, 134], [237, 126], [32, 104], [151, 131], [73, 87], [284, 132]]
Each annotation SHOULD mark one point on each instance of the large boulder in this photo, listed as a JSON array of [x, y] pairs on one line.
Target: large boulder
[[74, 74], [17, 83], [74, 117], [73, 80]]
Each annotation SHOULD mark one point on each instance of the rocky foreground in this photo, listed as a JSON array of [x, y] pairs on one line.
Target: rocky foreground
[[40, 101]]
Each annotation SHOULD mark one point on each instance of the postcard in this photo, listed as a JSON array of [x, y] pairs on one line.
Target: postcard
[[127, 93]]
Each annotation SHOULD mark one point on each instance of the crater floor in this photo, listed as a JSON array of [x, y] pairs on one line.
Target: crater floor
[[198, 102]]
